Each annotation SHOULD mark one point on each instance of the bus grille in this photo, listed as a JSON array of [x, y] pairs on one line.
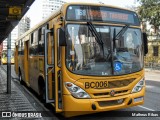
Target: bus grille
[[120, 83], [115, 84], [107, 94], [110, 103]]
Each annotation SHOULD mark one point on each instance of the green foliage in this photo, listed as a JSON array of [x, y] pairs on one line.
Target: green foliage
[[150, 11]]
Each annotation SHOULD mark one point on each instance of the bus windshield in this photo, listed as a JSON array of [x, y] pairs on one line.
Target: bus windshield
[[86, 56]]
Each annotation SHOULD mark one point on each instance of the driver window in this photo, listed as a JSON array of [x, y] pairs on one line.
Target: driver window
[[129, 40]]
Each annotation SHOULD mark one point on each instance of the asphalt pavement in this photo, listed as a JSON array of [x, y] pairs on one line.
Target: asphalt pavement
[[152, 100]]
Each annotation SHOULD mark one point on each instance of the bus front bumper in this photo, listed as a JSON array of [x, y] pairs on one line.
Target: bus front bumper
[[73, 106]]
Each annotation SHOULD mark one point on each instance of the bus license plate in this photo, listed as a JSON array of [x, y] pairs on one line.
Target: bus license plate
[[96, 85]]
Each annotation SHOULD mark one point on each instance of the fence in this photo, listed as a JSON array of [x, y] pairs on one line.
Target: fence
[[152, 66]]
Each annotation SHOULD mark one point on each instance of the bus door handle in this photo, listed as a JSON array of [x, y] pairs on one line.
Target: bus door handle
[[50, 71]]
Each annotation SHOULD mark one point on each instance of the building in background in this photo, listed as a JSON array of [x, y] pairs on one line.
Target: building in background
[[22, 27], [152, 59], [14, 35], [153, 55], [48, 6]]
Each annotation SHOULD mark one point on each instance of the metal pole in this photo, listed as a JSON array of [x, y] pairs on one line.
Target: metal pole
[[9, 64]]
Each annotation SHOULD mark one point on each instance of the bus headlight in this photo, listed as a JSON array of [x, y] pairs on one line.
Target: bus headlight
[[76, 91], [138, 87]]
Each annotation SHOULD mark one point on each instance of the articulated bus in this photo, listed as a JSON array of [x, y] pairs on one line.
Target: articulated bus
[[4, 57], [85, 58]]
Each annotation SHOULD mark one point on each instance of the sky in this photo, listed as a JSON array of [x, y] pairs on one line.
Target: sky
[[120, 3], [36, 9]]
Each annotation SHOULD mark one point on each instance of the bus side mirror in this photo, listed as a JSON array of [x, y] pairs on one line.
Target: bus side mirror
[[145, 43], [62, 38]]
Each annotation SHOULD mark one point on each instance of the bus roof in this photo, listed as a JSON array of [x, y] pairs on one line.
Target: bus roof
[[55, 13], [62, 9], [94, 4]]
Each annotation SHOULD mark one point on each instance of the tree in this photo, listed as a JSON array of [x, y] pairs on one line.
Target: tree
[[150, 11]]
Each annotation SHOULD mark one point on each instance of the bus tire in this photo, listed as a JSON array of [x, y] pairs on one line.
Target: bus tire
[[20, 78], [42, 91]]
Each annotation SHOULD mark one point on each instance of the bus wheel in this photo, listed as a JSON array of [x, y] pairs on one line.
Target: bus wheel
[[42, 92], [44, 95], [20, 78]]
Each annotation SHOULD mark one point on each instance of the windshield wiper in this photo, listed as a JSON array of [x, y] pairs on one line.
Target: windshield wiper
[[118, 36], [113, 49], [121, 32], [95, 33]]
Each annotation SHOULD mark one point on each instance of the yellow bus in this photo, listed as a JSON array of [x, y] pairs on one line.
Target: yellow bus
[[4, 57], [85, 58]]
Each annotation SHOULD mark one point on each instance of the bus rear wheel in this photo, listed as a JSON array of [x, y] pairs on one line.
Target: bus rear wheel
[[42, 92], [20, 78]]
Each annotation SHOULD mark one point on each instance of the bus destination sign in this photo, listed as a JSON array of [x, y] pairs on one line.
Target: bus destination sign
[[108, 15], [102, 14]]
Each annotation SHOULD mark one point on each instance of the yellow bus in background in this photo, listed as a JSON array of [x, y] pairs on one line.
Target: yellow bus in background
[[85, 58], [4, 57]]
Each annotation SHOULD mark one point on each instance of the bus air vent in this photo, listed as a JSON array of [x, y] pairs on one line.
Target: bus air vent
[[110, 103], [120, 83], [107, 94]]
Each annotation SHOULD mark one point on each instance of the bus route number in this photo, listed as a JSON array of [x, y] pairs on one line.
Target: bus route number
[[80, 12], [96, 85]]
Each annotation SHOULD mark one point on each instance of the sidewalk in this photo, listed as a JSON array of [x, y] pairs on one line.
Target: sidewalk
[[15, 101], [152, 75], [152, 70], [19, 100]]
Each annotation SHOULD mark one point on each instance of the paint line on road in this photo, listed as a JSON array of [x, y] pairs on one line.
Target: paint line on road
[[146, 108], [151, 79], [149, 86]]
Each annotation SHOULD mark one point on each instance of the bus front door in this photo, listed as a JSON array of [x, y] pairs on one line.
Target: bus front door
[[52, 71]]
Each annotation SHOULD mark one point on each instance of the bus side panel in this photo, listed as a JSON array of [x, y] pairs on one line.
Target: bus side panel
[[19, 64], [33, 72], [16, 60], [36, 73], [26, 63], [22, 68]]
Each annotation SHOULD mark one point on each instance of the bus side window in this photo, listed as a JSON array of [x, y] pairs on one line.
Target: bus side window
[[32, 38], [39, 34], [35, 41], [33, 48], [19, 47], [31, 51], [22, 47], [50, 47], [41, 41]]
